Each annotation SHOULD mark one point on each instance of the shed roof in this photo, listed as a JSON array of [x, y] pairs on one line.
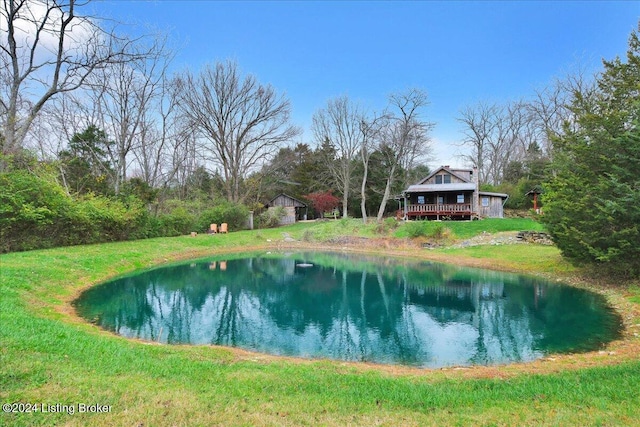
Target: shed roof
[[295, 202], [488, 193], [535, 190]]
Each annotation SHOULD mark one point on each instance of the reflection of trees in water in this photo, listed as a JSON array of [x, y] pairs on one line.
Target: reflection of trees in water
[[502, 333], [347, 306]]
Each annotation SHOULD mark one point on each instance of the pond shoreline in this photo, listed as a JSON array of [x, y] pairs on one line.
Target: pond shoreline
[[51, 355], [438, 313], [619, 351]]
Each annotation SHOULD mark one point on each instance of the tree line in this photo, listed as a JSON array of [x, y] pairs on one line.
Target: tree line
[[95, 121], [112, 112]]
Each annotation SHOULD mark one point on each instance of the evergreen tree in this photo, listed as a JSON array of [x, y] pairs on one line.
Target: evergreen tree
[[592, 205], [85, 166]]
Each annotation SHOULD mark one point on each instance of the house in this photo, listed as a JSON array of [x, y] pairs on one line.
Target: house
[[294, 208], [451, 194]]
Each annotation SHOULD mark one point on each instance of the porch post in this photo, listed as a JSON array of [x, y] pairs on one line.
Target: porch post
[[406, 208]]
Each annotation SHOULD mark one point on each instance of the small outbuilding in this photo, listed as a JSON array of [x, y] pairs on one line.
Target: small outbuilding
[[295, 209], [535, 192]]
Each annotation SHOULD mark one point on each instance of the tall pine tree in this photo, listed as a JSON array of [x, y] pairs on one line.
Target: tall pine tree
[[592, 204]]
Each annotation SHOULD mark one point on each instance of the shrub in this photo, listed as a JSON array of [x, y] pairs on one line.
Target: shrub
[[179, 221], [235, 215], [271, 217], [32, 211], [308, 236], [415, 229], [35, 213], [386, 226], [438, 231]]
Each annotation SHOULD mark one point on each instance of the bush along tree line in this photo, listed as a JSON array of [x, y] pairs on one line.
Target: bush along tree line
[[37, 211]]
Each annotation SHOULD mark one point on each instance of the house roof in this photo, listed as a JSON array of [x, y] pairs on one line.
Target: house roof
[[446, 169], [435, 188]]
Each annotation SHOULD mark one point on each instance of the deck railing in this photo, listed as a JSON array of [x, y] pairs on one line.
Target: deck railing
[[443, 209]]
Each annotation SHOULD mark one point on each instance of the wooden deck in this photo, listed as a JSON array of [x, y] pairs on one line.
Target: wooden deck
[[437, 211]]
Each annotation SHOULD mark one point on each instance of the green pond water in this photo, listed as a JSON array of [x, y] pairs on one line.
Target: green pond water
[[353, 307]]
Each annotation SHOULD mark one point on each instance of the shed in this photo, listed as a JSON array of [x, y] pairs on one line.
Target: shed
[[491, 205], [294, 209], [535, 192]]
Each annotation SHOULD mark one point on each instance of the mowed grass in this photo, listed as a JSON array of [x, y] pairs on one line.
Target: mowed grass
[[47, 356], [529, 259], [466, 229]]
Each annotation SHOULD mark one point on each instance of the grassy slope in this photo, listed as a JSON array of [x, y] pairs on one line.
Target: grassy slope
[[48, 356], [465, 229]]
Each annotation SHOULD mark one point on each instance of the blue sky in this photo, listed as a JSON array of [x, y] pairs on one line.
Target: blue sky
[[461, 52]]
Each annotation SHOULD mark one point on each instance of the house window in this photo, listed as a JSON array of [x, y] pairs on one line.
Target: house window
[[440, 200], [460, 198], [443, 179], [421, 200], [485, 202]]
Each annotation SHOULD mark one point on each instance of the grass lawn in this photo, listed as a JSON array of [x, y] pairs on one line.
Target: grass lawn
[[49, 358], [466, 229]]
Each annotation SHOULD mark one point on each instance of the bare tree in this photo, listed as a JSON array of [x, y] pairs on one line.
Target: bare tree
[[185, 160], [144, 119], [340, 125], [497, 135], [371, 133], [406, 137], [241, 121], [509, 140], [479, 128], [550, 109], [161, 138], [500, 134], [127, 96], [48, 49]]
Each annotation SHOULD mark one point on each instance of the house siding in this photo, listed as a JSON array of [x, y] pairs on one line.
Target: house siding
[[455, 179], [494, 210]]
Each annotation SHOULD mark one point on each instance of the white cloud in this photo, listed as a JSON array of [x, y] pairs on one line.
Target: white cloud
[[29, 19]]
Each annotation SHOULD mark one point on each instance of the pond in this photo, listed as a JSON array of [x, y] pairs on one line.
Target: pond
[[354, 308]]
